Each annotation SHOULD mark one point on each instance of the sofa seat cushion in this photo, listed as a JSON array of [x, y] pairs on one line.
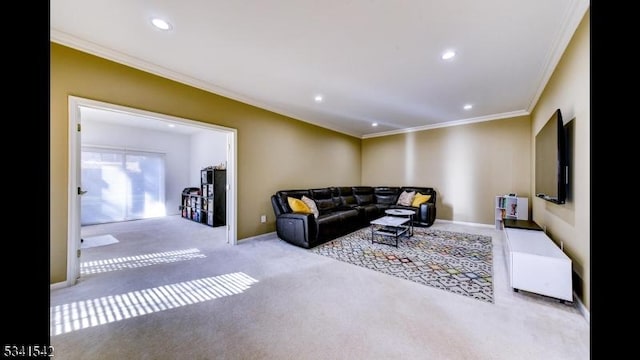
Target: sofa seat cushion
[[370, 211], [336, 223], [383, 207], [329, 219], [348, 216]]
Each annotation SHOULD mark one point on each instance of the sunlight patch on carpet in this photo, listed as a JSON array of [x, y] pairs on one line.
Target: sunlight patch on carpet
[[138, 261], [460, 263], [88, 313], [99, 240]]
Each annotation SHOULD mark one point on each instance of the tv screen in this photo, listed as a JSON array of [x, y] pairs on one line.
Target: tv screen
[[551, 160]]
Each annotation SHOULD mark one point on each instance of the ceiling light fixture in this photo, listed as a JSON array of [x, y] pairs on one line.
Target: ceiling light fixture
[[468, 107], [318, 98], [448, 55], [161, 24], [374, 124], [171, 125]]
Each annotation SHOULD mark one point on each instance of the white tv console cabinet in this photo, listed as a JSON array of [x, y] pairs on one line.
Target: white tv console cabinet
[[536, 264]]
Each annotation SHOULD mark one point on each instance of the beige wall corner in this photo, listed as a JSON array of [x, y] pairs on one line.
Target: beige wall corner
[[468, 165]]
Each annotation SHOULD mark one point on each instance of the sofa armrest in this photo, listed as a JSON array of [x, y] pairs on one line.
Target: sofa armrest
[[297, 228], [427, 213]]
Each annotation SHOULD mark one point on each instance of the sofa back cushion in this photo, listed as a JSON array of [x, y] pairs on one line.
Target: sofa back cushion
[[386, 195], [346, 196], [335, 195], [324, 199], [363, 194]]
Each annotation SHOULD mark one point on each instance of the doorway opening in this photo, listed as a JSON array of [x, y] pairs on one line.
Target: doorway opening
[[124, 204]]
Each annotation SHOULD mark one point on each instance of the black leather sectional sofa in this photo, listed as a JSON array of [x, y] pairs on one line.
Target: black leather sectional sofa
[[343, 210]]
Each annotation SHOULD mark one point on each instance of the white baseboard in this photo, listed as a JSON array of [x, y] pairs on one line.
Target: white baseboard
[[583, 309], [465, 223], [265, 235], [58, 285]]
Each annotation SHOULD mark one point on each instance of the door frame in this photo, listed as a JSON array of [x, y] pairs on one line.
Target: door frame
[[75, 145]]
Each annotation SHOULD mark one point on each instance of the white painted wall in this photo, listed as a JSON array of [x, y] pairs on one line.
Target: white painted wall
[[176, 147], [208, 148]]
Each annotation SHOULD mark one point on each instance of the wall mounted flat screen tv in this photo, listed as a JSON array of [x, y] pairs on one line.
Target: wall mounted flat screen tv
[[552, 168]]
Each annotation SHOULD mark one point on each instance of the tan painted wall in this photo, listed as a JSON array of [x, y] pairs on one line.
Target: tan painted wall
[[274, 152], [569, 90], [468, 165]]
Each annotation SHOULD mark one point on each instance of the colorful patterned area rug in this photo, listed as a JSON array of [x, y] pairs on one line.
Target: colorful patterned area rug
[[457, 262]]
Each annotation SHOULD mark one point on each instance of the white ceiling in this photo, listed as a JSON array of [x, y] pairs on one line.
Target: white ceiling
[[372, 60]]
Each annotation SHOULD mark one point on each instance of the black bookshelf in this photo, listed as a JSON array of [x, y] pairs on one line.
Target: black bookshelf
[[208, 203]]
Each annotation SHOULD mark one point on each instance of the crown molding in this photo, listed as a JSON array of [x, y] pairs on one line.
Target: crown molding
[[71, 41], [506, 115], [573, 16], [575, 12]]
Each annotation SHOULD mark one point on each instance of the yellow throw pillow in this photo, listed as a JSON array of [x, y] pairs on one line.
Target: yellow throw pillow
[[298, 205], [312, 206], [419, 199]]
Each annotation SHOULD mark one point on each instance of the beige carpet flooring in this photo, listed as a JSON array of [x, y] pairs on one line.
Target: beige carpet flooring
[[173, 289]]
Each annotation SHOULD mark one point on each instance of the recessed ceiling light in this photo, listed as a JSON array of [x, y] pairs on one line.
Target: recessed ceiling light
[[318, 98], [374, 124], [161, 24], [448, 55], [171, 125], [468, 107]]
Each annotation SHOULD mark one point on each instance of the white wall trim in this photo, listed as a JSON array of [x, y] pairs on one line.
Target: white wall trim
[[501, 116], [583, 309], [73, 227], [58, 285], [73, 198], [71, 41], [258, 237], [466, 223], [109, 54], [573, 16], [232, 185], [124, 148]]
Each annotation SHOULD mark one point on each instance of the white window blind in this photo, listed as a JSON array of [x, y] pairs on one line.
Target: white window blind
[[121, 185]]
